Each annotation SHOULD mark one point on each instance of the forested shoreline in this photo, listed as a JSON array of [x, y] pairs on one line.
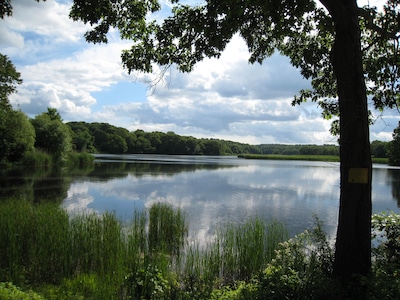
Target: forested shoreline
[[50, 141], [106, 138]]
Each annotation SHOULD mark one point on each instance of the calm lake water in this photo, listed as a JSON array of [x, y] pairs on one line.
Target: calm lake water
[[211, 190]]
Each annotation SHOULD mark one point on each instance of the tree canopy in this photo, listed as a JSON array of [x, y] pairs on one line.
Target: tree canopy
[[9, 79], [16, 132], [394, 148], [17, 135], [52, 135]]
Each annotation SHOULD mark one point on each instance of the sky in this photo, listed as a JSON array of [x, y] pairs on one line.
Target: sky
[[226, 98]]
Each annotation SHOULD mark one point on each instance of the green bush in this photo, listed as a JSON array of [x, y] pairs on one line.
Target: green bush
[[8, 291], [79, 160], [37, 159], [384, 282], [301, 269], [240, 291], [386, 233], [148, 283]]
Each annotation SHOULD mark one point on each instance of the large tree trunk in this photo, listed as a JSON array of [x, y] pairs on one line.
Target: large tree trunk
[[353, 242]]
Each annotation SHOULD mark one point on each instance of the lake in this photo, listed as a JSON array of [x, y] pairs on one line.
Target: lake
[[212, 190]]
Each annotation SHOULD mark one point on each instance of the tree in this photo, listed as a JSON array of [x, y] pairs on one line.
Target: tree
[[9, 78], [330, 45], [82, 139], [17, 135], [16, 132], [52, 135], [379, 149], [394, 148]]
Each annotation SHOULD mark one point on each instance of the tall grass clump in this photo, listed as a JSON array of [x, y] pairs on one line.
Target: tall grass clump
[[153, 274], [96, 244], [238, 252], [168, 229], [34, 242], [247, 248]]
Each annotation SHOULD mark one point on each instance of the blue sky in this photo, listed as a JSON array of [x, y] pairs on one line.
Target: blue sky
[[226, 98]]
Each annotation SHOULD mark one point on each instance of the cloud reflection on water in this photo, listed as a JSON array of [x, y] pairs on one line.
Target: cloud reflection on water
[[290, 192]]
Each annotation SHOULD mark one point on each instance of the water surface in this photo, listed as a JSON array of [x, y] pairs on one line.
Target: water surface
[[215, 190]]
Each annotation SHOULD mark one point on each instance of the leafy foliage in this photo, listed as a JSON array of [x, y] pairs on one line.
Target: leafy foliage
[[106, 138], [52, 135], [379, 149], [17, 135], [394, 148], [386, 231], [147, 283], [386, 237], [8, 291], [302, 268], [98, 137], [9, 78]]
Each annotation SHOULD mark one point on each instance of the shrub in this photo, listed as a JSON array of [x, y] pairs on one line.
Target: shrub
[[8, 291], [384, 283], [148, 283], [301, 269], [37, 159], [79, 160], [386, 233]]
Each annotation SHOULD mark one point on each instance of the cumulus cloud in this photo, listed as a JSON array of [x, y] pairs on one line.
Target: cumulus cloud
[[226, 98]]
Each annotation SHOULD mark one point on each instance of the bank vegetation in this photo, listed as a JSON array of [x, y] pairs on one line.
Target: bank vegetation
[[47, 254]]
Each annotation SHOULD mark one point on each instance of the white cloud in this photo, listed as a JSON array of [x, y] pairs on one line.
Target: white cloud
[[45, 19], [225, 98]]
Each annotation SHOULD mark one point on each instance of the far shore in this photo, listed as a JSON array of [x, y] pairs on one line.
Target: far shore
[[330, 158]]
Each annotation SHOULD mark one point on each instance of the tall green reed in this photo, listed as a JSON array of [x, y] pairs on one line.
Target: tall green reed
[[34, 242], [168, 229], [42, 244], [238, 251]]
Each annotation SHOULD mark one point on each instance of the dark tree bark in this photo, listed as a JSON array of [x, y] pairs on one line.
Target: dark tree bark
[[353, 241]]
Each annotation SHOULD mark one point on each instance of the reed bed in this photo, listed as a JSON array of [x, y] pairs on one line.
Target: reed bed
[[92, 256], [238, 251]]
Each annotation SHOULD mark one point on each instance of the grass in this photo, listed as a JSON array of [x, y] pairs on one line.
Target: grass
[[47, 254], [329, 158], [89, 256]]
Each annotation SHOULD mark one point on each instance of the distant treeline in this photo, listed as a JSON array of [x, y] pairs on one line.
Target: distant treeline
[[378, 149], [106, 138]]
